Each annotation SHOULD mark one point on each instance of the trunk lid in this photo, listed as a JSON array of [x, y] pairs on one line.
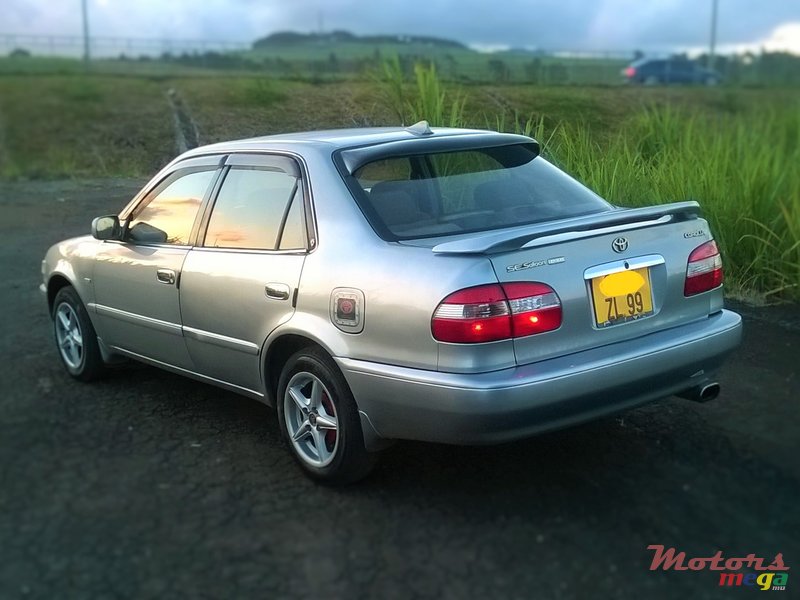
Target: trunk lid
[[567, 255]]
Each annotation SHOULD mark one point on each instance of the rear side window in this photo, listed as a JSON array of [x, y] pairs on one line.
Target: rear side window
[[473, 190], [255, 209], [294, 231]]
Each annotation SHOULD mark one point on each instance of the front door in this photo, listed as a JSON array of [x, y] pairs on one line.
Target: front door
[[136, 281], [239, 282]]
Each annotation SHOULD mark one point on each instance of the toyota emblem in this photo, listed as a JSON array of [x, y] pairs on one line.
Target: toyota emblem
[[620, 244]]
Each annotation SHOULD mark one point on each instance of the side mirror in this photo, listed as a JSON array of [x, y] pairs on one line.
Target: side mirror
[[106, 228], [147, 234]]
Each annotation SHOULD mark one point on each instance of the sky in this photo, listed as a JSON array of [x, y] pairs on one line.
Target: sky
[[578, 25]]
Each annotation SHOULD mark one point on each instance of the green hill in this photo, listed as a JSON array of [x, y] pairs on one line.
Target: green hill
[[338, 36]]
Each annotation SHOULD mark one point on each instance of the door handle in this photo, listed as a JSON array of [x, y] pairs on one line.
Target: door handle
[[277, 291], [166, 276]]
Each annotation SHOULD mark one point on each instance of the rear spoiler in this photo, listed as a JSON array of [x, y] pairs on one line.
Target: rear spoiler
[[543, 234]]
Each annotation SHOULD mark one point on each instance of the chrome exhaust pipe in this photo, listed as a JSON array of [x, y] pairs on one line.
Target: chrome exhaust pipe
[[708, 390]]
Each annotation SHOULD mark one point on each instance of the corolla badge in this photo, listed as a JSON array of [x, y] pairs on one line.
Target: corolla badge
[[692, 234]]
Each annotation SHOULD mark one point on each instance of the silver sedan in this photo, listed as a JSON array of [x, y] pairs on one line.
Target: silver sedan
[[396, 283]]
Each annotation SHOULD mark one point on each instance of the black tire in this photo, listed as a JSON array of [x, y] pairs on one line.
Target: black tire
[[348, 461], [84, 363]]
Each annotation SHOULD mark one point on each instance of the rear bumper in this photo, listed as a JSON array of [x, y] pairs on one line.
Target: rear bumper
[[403, 403]]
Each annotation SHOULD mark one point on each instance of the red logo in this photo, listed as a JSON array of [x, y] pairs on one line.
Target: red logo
[[346, 306]]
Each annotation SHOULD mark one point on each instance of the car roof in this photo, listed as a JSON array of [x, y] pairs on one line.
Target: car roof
[[336, 138]]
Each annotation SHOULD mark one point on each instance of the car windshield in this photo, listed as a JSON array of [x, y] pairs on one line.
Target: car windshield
[[473, 190]]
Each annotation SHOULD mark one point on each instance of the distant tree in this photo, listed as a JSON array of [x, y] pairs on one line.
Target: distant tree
[[452, 65], [19, 53], [407, 62], [282, 37], [434, 41], [637, 54], [778, 68], [318, 70], [284, 66], [499, 70], [333, 63], [340, 35], [533, 71], [735, 68], [557, 73], [294, 37]]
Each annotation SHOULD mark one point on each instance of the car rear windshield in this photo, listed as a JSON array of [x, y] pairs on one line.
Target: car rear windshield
[[450, 193]]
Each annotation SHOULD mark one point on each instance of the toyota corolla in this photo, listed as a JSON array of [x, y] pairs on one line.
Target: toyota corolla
[[396, 283]]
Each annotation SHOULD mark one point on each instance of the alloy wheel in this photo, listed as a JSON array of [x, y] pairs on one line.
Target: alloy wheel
[[69, 336], [311, 419]]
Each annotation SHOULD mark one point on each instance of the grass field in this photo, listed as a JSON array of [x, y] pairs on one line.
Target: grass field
[[456, 64], [343, 62], [736, 151]]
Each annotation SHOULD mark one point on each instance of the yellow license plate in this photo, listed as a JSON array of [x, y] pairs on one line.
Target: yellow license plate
[[622, 297]]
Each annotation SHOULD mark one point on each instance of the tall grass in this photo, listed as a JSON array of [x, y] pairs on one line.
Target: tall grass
[[742, 166], [427, 100]]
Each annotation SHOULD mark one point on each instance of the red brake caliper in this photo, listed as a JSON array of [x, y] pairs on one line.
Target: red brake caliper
[[330, 434]]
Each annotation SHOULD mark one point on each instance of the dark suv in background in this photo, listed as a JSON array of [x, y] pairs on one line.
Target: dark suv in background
[[651, 71]]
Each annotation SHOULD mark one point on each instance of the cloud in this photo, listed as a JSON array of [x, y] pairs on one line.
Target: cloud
[[550, 24], [685, 23], [784, 37]]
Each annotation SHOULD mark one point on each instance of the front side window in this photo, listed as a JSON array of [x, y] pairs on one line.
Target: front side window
[[167, 217], [253, 210], [448, 193]]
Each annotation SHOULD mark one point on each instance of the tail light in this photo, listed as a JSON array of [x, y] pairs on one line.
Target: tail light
[[488, 313], [478, 314], [630, 72], [704, 270]]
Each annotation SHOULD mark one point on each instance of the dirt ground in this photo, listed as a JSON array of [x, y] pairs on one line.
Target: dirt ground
[[150, 485]]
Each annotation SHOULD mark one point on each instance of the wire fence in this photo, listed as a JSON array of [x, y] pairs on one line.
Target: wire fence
[[321, 62], [72, 46]]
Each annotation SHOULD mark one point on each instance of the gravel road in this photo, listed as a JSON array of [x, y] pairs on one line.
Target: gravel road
[[148, 485]]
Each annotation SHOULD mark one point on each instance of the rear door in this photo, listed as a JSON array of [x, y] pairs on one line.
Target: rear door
[[136, 281], [240, 281]]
